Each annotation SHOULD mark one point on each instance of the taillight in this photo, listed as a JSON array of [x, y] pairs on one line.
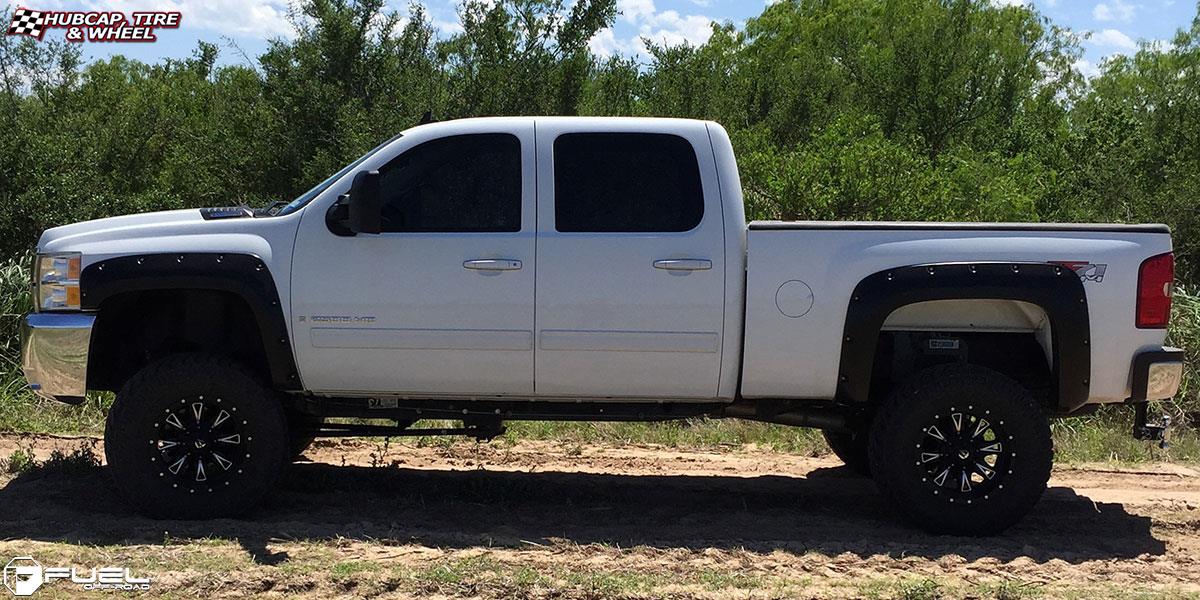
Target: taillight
[[1155, 278]]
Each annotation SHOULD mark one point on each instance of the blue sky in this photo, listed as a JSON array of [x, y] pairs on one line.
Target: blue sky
[[1115, 25]]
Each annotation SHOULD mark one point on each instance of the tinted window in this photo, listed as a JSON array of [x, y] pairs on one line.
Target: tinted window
[[456, 183], [626, 182]]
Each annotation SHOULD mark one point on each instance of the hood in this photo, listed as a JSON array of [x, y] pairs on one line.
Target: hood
[[167, 231], [67, 237]]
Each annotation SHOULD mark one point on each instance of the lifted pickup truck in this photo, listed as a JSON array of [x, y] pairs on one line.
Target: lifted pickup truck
[[495, 269]]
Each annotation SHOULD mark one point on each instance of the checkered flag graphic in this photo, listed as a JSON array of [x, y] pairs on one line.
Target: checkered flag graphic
[[28, 22]]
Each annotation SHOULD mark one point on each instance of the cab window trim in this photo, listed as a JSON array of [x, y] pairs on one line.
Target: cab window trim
[[518, 185], [696, 177]]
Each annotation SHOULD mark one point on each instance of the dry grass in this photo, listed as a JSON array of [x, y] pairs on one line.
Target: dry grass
[[220, 568]]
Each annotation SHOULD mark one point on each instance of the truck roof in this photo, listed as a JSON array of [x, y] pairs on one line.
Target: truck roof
[[657, 122]]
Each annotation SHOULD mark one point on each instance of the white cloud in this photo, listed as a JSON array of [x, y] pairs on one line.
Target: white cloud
[[606, 44], [446, 27], [1024, 3], [1161, 45], [1117, 10], [1113, 38], [1087, 67], [671, 28], [251, 18], [633, 11], [662, 27]]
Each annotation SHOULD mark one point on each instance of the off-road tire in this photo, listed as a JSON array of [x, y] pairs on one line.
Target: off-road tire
[[851, 448], [197, 407], [905, 435], [299, 437]]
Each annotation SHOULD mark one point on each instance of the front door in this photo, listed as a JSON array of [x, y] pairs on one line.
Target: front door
[[441, 302], [631, 265]]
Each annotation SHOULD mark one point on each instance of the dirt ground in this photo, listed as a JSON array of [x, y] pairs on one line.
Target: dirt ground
[[568, 521]]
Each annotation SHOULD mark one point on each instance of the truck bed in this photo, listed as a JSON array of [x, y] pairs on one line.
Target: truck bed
[[801, 275]]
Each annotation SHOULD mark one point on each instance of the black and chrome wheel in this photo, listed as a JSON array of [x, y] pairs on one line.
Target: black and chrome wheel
[[194, 436], [962, 453], [200, 443], [961, 449]]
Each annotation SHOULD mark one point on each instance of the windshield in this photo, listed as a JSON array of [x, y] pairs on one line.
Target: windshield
[[308, 196]]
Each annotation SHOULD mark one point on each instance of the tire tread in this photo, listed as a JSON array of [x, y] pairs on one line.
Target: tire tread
[[884, 455], [162, 374]]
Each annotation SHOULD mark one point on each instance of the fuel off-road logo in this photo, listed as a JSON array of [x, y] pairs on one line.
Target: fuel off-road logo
[[94, 25], [23, 576]]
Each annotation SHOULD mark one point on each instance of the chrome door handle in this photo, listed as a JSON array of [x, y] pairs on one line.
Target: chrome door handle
[[492, 264], [683, 264]]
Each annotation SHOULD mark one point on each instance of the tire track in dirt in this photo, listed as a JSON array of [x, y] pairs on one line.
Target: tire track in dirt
[[551, 505]]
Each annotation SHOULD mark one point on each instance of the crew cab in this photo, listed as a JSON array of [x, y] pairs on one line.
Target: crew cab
[[496, 269]]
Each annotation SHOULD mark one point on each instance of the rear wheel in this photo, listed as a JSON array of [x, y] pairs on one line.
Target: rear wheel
[[301, 432], [851, 447], [194, 436], [961, 449]]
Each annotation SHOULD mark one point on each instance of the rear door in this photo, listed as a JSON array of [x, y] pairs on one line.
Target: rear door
[[631, 266]]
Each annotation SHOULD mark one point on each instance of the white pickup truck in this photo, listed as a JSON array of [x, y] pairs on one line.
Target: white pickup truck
[[495, 269]]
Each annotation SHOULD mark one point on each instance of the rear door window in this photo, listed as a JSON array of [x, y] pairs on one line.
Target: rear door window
[[626, 182]]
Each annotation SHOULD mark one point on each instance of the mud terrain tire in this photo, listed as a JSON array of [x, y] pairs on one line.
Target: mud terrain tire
[[961, 449], [300, 436], [851, 448], [194, 436]]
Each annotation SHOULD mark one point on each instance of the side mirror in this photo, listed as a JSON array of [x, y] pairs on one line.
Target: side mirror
[[365, 205]]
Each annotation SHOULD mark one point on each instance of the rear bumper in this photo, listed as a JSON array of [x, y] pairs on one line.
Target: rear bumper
[[54, 354], [1156, 374]]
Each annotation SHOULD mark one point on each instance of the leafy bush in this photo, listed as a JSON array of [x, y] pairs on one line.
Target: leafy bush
[[1185, 333], [15, 301]]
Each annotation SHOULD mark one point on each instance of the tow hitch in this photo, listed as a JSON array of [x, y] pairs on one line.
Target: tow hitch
[[1159, 432]]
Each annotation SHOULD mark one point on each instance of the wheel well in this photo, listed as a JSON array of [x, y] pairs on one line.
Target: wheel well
[[1008, 336], [990, 296], [134, 328], [901, 354]]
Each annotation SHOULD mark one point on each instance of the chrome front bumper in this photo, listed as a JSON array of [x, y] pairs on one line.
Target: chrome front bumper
[[54, 354]]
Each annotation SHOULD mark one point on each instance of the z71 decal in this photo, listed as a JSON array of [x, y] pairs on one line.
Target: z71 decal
[[1085, 270]]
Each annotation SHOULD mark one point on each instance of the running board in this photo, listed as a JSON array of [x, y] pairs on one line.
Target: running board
[[406, 409], [328, 430]]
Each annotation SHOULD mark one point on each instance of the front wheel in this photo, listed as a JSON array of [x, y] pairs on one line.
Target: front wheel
[[961, 449], [194, 436]]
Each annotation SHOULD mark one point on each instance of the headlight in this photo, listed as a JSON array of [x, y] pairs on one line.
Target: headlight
[[56, 281]]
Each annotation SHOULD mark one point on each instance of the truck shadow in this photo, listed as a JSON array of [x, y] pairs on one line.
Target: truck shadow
[[831, 511]]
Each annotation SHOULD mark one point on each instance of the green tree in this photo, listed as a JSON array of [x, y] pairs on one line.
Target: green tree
[[522, 56]]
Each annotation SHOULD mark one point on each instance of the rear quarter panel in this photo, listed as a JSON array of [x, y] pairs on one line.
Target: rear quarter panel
[[797, 356]]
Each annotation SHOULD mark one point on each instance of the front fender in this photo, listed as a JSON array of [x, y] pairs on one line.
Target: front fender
[[245, 275]]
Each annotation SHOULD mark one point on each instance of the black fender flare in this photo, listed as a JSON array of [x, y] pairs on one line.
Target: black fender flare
[[245, 275], [1057, 290]]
